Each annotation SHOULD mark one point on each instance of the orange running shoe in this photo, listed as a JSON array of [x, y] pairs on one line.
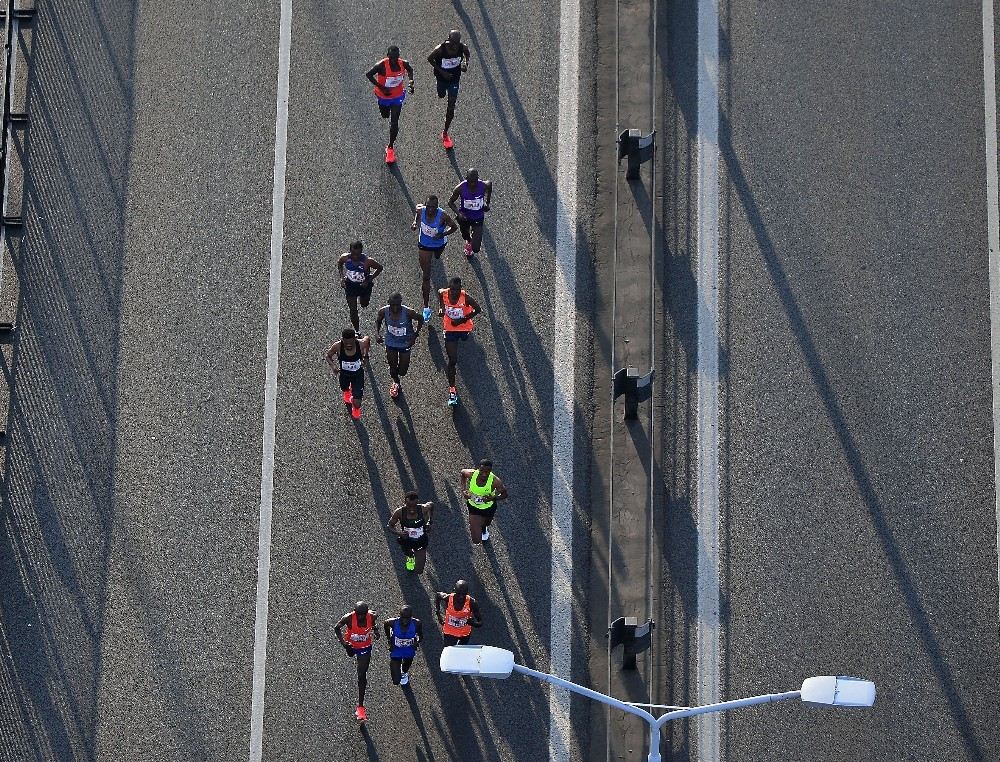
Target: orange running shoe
[[446, 141], [361, 714], [390, 155], [348, 398], [356, 413], [394, 390]]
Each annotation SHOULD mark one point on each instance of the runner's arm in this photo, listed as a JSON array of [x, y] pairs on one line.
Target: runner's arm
[[393, 521], [452, 227], [467, 476], [366, 347], [379, 317], [374, 625], [489, 193], [477, 618], [499, 489], [419, 316], [416, 216], [339, 627], [475, 307], [370, 74], [454, 197], [420, 630], [376, 266], [331, 353], [467, 55], [387, 626], [409, 72], [429, 509], [434, 59]]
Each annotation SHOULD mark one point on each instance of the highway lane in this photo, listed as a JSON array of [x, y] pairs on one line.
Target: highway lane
[[132, 494], [860, 534], [336, 481]]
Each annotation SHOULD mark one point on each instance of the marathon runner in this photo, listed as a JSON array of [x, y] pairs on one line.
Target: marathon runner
[[387, 78], [482, 489], [361, 633], [458, 309], [435, 227], [461, 614], [449, 60], [474, 196], [357, 276], [400, 338], [410, 522], [403, 634], [346, 358]]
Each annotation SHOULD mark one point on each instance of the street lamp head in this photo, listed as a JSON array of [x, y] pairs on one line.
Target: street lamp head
[[828, 690], [477, 661]]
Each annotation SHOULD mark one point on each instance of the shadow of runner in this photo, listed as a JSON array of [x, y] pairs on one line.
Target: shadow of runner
[[418, 718]]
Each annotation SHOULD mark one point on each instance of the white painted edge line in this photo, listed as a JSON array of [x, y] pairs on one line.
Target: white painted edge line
[[708, 687], [563, 390], [270, 388], [993, 216]]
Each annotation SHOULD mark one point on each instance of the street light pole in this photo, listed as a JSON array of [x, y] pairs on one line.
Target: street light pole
[[655, 724], [488, 661]]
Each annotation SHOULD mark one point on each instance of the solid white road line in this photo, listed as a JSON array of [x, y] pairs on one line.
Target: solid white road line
[[993, 216], [708, 688], [563, 391], [270, 387]]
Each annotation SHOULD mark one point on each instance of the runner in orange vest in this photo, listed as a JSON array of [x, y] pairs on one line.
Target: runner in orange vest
[[457, 310], [387, 78], [461, 614], [361, 633]]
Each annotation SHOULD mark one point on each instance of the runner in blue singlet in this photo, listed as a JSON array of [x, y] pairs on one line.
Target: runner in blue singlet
[[435, 226], [399, 339], [403, 634]]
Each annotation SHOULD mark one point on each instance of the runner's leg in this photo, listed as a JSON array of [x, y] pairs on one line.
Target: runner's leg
[[476, 528], [425, 269], [421, 558], [394, 123], [352, 306], [404, 363], [449, 114], [477, 238], [465, 228], [395, 670], [451, 349], [364, 661]]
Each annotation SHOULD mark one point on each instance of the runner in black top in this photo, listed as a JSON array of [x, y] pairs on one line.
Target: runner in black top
[[449, 60], [347, 357], [411, 523], [357, 276]]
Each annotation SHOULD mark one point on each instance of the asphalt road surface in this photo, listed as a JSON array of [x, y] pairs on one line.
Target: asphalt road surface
[[132, 493]]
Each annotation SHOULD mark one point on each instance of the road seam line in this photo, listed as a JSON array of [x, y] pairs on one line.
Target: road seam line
[[270, 387], [563, 390], [708, 626], [993, 216]]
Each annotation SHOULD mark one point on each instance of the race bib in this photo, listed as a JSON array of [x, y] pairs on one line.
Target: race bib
[[392, 81], [428, 230], [474, 204], [454, 312], [355, 276], [454, 621], [404, 642], [478, 499], [356, 638], [451, 63], [397, 330], [351, 366], [415, 533]]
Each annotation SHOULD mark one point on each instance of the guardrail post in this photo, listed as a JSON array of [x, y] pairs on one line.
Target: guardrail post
[[636, 389], [638, 148], [632, 636]]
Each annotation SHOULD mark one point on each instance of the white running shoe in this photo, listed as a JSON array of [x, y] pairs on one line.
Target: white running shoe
[[404, 679], [427, 314], [486, 534]]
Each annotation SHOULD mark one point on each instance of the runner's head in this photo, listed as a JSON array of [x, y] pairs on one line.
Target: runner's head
[[405, 612], [454, 37], [396, 301], [349, 335], [393, 53], [361, 609], [485, 467], [431, 205], [461, 587], [357, 249], [455, 287], [411, 497], [472, 176]]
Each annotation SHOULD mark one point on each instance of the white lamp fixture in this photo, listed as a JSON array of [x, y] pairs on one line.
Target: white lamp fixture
[[828, 690], [480, 661]]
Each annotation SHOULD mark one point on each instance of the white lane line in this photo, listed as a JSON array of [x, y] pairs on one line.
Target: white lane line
[[993, 215], [270, 387], [563, 390], [708, 690]]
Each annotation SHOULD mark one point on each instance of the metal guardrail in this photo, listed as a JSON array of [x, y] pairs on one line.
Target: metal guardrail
[[13, 14]]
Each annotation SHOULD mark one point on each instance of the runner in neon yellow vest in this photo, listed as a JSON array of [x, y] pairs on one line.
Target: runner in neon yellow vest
[[483, 489]]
